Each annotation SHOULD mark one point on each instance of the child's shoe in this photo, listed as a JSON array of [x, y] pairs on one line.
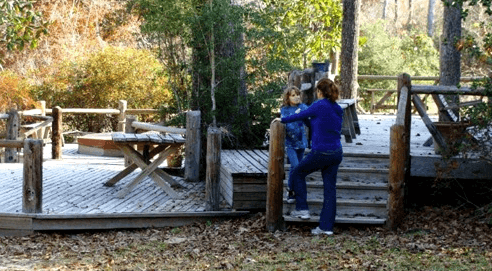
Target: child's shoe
[[302, 214], [291, 196]]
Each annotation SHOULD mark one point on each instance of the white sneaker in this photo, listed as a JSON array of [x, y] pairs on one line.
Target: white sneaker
[[318, 231], [302, 214]]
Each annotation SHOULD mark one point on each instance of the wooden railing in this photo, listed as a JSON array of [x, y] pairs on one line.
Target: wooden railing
[[381, 103], [399, 168], [33, 149]]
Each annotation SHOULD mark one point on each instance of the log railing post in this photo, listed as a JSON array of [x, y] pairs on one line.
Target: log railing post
[[122, 106], [399, 154], [57, 140], [129, 129], [274, 205], [32, 189], [192, 146], [13, 125], [212, 191], [40, 132]]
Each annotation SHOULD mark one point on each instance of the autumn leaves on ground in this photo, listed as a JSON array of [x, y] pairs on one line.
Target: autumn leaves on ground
[[429, 239]]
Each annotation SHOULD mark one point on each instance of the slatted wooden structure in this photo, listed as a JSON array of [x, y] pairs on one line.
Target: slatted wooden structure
[[243, 178]]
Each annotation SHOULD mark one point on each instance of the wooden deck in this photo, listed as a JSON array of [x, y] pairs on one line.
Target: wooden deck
[[74, 196]]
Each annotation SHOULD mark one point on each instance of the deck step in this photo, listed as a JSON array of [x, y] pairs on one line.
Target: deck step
[[346, 207], [318, 184], [360, 175], [341, 220]]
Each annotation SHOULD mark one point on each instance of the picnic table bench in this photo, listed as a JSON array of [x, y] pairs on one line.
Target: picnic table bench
[[152, 144]]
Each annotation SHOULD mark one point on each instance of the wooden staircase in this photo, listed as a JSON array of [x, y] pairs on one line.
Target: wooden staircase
[[362, 191]]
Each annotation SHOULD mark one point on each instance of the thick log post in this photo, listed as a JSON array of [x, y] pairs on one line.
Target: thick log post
[[13, 125], [274, 216], [129, 129], [192, 146], [399, 167], [56, 140], [122, 106], [32, 189], [212, 191]]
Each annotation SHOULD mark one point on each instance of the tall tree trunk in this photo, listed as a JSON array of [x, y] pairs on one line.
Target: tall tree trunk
[[410, 11], [430, 18], [396, 11], [385, 9], [449, 58], [349, 55]]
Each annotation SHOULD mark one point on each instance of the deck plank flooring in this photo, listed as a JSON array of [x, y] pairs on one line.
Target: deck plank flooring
[[74, 185]]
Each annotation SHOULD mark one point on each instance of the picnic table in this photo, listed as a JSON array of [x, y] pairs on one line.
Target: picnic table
[[152, 144]]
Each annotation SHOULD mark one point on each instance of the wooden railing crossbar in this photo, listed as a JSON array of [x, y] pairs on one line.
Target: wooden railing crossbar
[[158, 128]]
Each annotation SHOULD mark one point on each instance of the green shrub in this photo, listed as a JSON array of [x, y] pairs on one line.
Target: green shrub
[[382, 54], [100, 80]]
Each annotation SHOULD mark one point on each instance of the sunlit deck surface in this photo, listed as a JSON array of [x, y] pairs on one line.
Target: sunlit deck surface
[[74, 196]]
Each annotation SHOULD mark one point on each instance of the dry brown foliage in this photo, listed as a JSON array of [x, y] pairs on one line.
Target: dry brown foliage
[[438, 236], [78, 27]]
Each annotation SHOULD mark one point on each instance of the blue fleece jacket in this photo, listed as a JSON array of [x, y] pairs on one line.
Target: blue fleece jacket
[[295, 137], [325, 117]]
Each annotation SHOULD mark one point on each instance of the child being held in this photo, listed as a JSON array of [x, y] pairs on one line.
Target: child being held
[[295, 139]]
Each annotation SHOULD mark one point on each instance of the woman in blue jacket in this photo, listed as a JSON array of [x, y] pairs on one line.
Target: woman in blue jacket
[[325, 117]]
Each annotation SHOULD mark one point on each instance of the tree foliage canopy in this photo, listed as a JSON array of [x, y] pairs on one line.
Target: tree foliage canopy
[[20, 25]]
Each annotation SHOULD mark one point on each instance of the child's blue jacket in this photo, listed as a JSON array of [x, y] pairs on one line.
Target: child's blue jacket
[[295, 134]]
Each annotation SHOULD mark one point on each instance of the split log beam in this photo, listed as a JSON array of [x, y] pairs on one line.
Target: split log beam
[[32, 189], [274, 204], [13, 125], [192, 146], [212, 191]]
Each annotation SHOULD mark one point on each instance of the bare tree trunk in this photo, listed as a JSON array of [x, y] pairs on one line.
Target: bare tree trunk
[[430, 18], [410, 11], [450, 58], [349, 55], [396, 11], [385, 9]]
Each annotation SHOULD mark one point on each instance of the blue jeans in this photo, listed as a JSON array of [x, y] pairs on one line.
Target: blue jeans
[[328, 163], [295, 155]]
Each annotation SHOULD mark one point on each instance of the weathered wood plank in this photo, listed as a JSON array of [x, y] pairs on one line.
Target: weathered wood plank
[[212, 189]]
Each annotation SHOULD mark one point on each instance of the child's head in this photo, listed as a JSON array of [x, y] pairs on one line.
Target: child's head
[[288, 92]]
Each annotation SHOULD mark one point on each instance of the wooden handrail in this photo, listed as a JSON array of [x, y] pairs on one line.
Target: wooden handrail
[[416, 78], [12, 143], [87, 111], [104, 111], [159, 128], [41, 125], [142, 111], [422, 89]]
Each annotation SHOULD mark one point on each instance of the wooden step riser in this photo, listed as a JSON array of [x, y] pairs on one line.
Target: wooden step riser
[[341, 220], [344, 210], [343, 176], [361, 162], [351, 194]]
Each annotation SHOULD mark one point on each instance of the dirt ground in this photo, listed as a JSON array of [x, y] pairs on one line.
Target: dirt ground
[[221, 244]]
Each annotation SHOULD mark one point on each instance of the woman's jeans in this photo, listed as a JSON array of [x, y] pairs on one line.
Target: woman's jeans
[[328, 163], [295, 155]]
